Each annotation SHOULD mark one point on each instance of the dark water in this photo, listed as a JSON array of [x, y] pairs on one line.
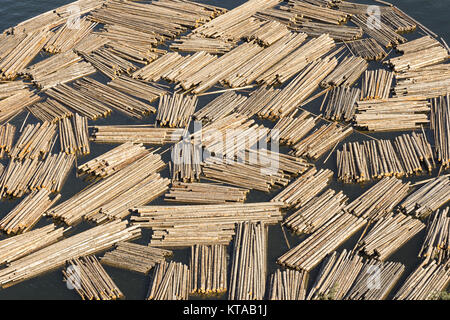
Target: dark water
[[433, 14]]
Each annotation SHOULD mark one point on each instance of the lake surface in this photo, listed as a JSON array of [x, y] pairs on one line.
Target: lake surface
[[433, 14]]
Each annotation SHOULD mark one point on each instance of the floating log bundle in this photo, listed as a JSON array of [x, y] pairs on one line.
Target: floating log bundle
[[368, 48], [196, 44], [19, 177], [113, 160], [401, 113], [337, 32], [35, 141], [316, 212], [236, 173], [376, 84], [21, 245], [431, 82], [28, 212], [124, 34], [323, 241], [256, 101], [268, 33], [220, 107], [134, 257], [249, 262], [68, 35], [55, 255], [320, 141], [208, 266], [342, 103], [197, 193], [15, 104], [336, 276], [428, 198], [436, 245], [147, 134], [138, 89], [440, 124], [288, 285], [22, 54], [132, 53], [7, 132], [419, 53], [218, 27], [375, 280], [175, 110], [379, 200], [74, 135], [10, 88], [155, 70], [303, 9], [171, 281], [383, 33], [389, 234], [298, 89], [90, 43], [87, 276], [188, 225], [346, 73], [50, 110], [186, 159], [290, 130], [425, 283], [304, 188], [119, 189], [408, 154]]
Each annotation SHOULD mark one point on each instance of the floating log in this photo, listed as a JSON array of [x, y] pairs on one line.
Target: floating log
[[188, 225], [304, 188], [249, 262], [28, 212], [170, 281], [114, 160], [401, 113], [323, 241], [316, 212], [134, 257], [197, 193], [7, 132], [375, 280], [19, 177], [336, 276], [342, 103], [87, 276], [118, 189], [368, 48], [21, 245], [389, 234], [175, 110], [208, 267], [425, 283], [288, 285], [408, 154], [147, 134], [35, 141], [55, 255], [436, 245], [379, 200], [428, 198]]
